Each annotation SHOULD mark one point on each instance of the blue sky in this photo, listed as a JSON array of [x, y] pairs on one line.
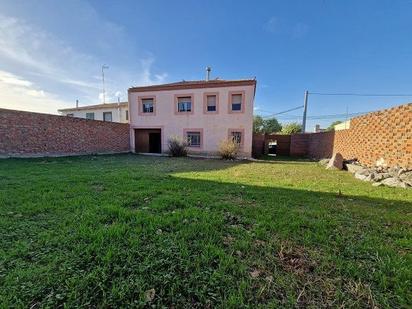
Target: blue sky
[[51, 52]]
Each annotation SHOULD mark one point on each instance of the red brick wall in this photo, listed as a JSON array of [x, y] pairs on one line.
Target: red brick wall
[[384, 134], [34, 134], [261, 142]]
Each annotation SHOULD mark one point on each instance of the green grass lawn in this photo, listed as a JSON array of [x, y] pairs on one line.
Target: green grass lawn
[[102, 231]]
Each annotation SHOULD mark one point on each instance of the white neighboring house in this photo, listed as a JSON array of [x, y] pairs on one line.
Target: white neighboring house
[[115, 112]]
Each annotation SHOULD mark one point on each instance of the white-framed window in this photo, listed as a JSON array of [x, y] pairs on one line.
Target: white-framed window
[[184, 104], [193, 138], [211, 103], [236, 102], [147, 105], [90, 116], [127, 115], [107, 116]]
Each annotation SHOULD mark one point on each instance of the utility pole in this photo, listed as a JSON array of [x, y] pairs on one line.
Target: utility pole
[[305, 109], [104, 89]]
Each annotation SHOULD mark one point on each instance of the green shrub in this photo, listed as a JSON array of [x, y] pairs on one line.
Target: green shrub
[[177, 147], [228, 149]]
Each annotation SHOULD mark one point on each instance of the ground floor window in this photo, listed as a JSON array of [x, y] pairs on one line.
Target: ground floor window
[[127, 115], [237, 137], [193, 138], [90, 116], [107, 116]]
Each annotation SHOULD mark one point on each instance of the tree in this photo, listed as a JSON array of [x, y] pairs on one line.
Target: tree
[[291, 128], [332, 125], [271, 125], [258, 124]]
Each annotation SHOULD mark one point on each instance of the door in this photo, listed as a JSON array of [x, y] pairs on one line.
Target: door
[[148, 140], [155, 145]]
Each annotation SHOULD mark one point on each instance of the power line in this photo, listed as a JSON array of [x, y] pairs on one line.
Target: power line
[[361, 94], [284, 112]]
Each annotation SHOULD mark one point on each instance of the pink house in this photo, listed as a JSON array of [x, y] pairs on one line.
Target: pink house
[[203, 112]]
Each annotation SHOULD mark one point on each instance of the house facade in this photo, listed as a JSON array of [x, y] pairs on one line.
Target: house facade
[[114, 112], [202, 112]]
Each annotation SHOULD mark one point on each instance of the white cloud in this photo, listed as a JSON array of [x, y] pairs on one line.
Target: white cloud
[[13, 80], [39, 65], [18, 93]]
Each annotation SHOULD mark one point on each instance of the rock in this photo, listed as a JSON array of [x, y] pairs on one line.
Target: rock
[[406, 177], [394, 170], [353, 168], [324, 162], [394, 182], [377, 184], [361, 177], [381, 162], [150, 295], [336, 162]]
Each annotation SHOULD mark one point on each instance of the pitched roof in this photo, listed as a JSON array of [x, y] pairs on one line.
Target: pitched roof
[[194, 84], [97, 106]]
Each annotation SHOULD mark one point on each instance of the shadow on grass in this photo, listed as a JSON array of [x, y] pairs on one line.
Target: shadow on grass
[[127, 224]]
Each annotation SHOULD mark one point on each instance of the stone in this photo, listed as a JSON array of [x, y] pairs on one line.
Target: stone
[[394, 182], [406, 177], [336, 162], [377, 184], [361, 177], [324, 162], [353, 168], [394, 170], [381, 162]]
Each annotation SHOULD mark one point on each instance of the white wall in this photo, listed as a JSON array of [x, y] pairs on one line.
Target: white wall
[[98, 113]]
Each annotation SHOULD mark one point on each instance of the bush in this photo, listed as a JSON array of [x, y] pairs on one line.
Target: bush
[[228, 149], [177, 147]]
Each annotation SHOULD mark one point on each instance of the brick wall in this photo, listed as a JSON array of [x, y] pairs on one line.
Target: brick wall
[[384, 134], [34, 134], [261, 142]]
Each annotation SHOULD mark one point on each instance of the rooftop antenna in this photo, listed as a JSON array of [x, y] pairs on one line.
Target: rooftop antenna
[[104, 67], [208, 69]]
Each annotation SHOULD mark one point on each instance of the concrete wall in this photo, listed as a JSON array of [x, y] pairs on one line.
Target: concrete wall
[[117, 115], [25, 134], [215, 126]]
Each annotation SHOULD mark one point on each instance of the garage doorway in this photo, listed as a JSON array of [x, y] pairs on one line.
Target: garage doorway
[[148, 140]]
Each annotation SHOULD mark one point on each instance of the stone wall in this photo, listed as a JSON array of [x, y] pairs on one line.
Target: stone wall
[[25, 134]]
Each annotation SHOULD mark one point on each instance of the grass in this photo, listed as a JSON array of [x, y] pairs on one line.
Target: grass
[[136, 231]]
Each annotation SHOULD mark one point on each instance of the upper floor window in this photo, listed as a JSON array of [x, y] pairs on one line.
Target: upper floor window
[[236, 101], [184, 104], [211, 102], [147, 105], [90, 116], [107, 116]]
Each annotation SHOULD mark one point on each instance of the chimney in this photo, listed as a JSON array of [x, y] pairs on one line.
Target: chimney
[[77, 103], [208, 69], [317, 128]]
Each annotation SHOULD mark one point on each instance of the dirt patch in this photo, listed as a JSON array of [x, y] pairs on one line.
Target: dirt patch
[[296, 260]]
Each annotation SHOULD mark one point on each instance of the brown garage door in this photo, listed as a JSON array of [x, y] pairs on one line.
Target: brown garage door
[[148, 140]]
